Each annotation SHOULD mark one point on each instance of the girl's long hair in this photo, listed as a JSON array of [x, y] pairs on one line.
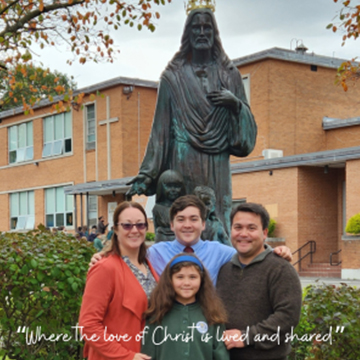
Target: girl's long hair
[[163, 297]]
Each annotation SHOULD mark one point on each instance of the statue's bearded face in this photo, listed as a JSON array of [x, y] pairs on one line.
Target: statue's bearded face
[[202, 32]]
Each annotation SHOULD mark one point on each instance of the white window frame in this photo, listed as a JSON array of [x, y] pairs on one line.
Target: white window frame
[[93, 210], [56, 207], [22, 216], [90, 127], [246, 82], [53, 143], [17, 152]]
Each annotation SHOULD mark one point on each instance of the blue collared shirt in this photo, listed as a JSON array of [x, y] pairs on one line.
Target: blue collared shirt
[[212, 254]]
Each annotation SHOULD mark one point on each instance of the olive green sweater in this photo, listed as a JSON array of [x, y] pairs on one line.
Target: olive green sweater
[[195, 339], [261, 299]]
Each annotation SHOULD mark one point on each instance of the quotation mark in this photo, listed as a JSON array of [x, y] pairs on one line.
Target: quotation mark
[[21, 331], [340, 329]]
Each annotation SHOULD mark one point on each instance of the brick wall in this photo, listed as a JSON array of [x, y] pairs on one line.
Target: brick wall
[[289, 102], [350, 254], [278, 193], [352, 188], [318, 210]]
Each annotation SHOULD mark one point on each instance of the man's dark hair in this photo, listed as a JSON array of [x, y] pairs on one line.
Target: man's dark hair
[[100, 217], [183, 202], [257, 209], [94, 227]]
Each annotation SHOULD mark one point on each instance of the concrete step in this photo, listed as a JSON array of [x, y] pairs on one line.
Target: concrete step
[[324, 274], [321, 266], [320, 270]]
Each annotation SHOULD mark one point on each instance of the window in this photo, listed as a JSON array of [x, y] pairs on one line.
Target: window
[[57, 134], [58, 207], [22, 210], [90, 127], [93, 210], [21, 143], [246, 82]]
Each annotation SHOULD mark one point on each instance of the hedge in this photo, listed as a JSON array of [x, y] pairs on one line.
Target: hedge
[[333, 313], [42, 279]]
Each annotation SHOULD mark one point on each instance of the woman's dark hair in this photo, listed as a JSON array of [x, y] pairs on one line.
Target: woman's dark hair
[[163, 297], [114, 247]]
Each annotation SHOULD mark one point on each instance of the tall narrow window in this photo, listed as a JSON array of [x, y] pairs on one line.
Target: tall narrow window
[[246, 82], [58, 207], [21, 147], [93, 210], [90, 127], [57, 134], [22, 210]]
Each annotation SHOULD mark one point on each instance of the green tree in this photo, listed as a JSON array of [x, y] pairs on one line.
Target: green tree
[[27, 84], [84, 26], [347, 21]]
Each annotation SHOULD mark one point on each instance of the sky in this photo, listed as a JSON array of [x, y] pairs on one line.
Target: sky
[[246, 27]]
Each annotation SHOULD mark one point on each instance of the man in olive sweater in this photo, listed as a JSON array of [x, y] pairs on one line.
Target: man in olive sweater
[[261, 292]]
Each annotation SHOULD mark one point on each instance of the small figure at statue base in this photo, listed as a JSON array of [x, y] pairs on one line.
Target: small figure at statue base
[[170, 186]]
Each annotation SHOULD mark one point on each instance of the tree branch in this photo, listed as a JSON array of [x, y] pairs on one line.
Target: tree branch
[[13, 29]]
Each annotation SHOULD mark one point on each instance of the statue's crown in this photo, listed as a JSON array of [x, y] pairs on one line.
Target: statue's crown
[[199, 4]]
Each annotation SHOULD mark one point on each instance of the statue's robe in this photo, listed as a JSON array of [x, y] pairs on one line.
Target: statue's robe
[[192, 136]]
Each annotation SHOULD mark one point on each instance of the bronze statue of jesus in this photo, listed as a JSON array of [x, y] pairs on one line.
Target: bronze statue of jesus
[[202, 117]]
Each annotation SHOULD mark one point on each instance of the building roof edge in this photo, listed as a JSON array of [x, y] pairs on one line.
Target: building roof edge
[[290, 55]]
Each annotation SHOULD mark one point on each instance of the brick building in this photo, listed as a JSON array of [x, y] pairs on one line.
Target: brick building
[[305, 165], [43, 154], [68, 169]]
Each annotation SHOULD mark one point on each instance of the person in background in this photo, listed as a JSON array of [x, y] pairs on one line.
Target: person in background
[[110, 233], [101, 225], [98, 244], [84, 231], [93, 234]]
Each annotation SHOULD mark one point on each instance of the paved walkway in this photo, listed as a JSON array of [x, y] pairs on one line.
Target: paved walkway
[[305, 281]]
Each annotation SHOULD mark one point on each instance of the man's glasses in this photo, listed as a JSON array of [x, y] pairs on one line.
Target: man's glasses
[[139, 226]]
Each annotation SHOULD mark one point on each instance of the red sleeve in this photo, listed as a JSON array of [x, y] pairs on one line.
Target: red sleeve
[[99, 291]]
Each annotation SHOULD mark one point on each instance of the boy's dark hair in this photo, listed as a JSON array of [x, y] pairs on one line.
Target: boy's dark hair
[[163, 297], [257, 209], [185, 201]]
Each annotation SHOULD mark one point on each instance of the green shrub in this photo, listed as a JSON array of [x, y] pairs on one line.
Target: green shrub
[[328, 308], [150, 236], [42, 279], [272, 225], [353, 225]]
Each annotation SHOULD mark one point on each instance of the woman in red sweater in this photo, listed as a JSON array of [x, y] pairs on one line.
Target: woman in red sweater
[[117, 290]]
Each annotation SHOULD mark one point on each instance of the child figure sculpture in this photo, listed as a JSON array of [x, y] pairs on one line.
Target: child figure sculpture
[[169, 187], [214, 229]]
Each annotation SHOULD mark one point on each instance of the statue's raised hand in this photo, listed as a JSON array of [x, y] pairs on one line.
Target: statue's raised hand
[[140, 184], [224, 97]]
